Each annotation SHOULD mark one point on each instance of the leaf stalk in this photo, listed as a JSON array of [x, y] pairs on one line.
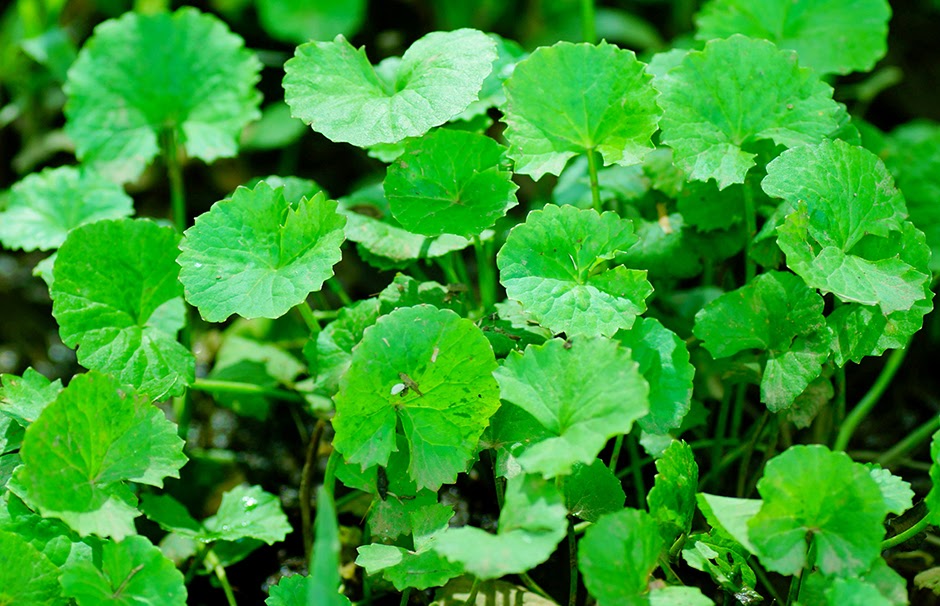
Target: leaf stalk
[[870, 399]]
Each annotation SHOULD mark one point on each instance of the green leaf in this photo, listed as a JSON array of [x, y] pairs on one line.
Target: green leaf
[[24, 398], [778, 314], [124, 320], [27, 576], [142, 75], [812, 493], [331, 353], [725, 561], [44, 206], [532, 521], [370, 224], [897, 493], [720, 101], [592, 491], [879, 586], [572, 99], [493, 93], [324, 584], [450, 181], [298, 21], [131, 573], [554, 265], [664, 363], [583, 393], [730, 515], [617, 556], [248, 512], [672, 498], [257, 255], [933, 497], [114, 436], [334, 88], [289, 591], [830, 36], [50, 536], [841, 234], [446, 364], [488, 593], [666, 249]]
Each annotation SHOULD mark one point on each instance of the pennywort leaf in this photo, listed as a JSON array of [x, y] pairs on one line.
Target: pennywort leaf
[[141, 75], [257, 255], [431, 371], [672, 498], [554, 264], [27, 576], [711, 121], [571, 99], [334, 88], [117, 298], [592, 491], [298, 21], [24, 398]]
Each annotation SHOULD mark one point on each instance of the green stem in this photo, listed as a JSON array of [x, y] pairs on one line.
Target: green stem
[[745, 465], [906, 535], [329, 476], [636, 469], [337, 287], [868, 401], [306, 482], [737, 415], [668, 572], [840, 406], [750, 218], [721, 426], [592, 173], [198, 559], [216, 386], [175, 175], [309, 318], [446, 263], [405, 597], [416, 272], [474, 589], [533, 586], [765, 580], [910, 441], [486, 276], [213, 561], [572, 566], [588, 30], [615, 455]]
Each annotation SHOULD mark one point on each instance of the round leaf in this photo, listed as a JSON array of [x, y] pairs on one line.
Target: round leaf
[[248, 512], [582, 393], [44, 206], [721, 100], [113, 436], [570, 99], [116, 296], [672, 498], [552, 264], [811, 491], [334, 88], [431, 371], [450, 182], [27, 576], [830, 36], [592, 491], [130, 573], [298, 21], [257, 255], [141, 75]]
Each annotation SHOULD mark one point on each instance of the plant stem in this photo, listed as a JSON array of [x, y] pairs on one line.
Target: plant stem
[[572, 566], [219, 570], [763, 578], [306, 481], [868, 401], [533, 586], [329, 476], [745, 465], [636, 469], [615, 455], [910, 441], [721, 425], [474, 589], [750, 218], [309, 318], [337, 287], [405, 597], [592, 174], [446, 263], [215, 386], [486, 276], [588, 30], [175, 175], [906, 535]]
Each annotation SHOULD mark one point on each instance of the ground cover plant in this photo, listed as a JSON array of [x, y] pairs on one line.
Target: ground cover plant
[[556, 322]]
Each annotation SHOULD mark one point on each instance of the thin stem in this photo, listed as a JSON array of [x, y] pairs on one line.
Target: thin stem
[[309, 318], [306, 482], [216, 386], [446, 263], [572, 566], [636, 469], [474, 589], [840, 398], [337, 287], [329, 476], [750, 218], [868, 401], [197, 561], [910, 441], [615, 455], [721, 426], [213, 561], [765, 580], [668, 572], [405, 597], [592, 171], [745, 465], [737, 415], [795, 582], [486, 275], [906, 535], [533, 586], [588, 31], [418, 273]]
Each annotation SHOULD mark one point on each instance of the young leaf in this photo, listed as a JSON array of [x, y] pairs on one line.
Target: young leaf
[[331, 353], [672, 498], [493, 93], [27, 576], [897, 493], [880, 586], [830, 36], [248, 512], [257, 255], [117, 298], [141, 75], [777, 313], [554, 265], [811, 492], [297, 21], [44, 206], [725, 561], [573, 99], [730, 515], [592, 491], [617, 556], [51, 537], [842, 233], [332, 87], [582, 393], [114, 436], [531, 523], [450, 182], [24, 398], [447, 364], [130, 572], [664, 363], [721, 100]]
